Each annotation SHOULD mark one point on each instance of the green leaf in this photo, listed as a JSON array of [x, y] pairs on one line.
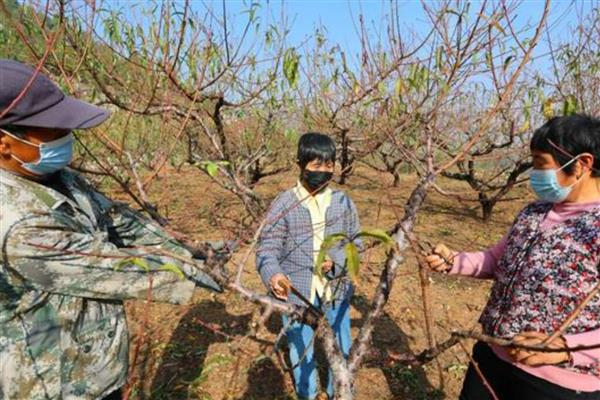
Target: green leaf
[[135, 261], [399, 88], [507, 62], [211, 169], [291, 61], [547, 108], [412, 76], [291, 135], [112, 27], [327, 244], [527, 108], [378, 234], [381, 88], [352, 260], [141, 263], [438, 57], [570, 105], [173, 268]]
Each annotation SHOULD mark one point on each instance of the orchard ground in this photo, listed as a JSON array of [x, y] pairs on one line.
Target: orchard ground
[[203, 351]]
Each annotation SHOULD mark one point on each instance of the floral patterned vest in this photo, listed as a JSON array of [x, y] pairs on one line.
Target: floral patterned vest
[[544, 275]]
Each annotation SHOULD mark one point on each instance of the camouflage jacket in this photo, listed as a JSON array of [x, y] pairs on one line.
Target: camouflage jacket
[[66, 265]]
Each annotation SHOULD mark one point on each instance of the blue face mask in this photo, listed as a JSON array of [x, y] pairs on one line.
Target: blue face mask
[[54, 155], [544, 183]]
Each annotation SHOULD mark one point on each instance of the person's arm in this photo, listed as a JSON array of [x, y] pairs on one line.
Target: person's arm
[[48, 252], [128, 228], [480, 264], [584, 357], [271, 242]]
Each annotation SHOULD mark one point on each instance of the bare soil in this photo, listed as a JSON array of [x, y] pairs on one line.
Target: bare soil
[[204, 350]]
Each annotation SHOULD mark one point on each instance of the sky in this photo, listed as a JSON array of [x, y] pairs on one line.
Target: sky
[[340, 17]]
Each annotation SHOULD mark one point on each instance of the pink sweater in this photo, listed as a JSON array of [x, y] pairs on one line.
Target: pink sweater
[[482, 264]]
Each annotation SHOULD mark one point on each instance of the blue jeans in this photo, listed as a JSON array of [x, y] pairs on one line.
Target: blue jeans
[[300, 336]]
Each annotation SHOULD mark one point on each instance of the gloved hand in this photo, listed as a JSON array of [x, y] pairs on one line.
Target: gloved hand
[[219, 247]]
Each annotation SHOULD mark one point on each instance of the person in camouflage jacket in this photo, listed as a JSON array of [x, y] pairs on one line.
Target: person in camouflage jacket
[[69, 256]]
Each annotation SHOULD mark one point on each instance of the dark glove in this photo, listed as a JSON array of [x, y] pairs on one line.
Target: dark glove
[[218, 247]]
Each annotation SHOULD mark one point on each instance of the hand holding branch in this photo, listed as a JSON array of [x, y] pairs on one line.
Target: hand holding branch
[[280, 286], [534, 358], [441, 259], [326, 266]]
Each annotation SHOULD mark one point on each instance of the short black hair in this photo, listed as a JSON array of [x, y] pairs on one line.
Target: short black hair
[[315, 146], [14, 130], [571, 135]]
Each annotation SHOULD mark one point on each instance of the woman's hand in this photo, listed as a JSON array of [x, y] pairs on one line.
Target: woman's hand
[[534, 358], [326, 266], [440, 260], [280, 286]]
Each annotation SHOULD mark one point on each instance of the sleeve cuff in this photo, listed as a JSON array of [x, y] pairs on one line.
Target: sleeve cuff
[[583, 357], [455, 268], [267, 271]]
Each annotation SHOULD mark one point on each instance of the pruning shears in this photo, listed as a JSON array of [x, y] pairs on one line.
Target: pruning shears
[[306, 301]]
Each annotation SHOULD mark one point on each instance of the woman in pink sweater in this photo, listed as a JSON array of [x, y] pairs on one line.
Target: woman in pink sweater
[[543, 268]]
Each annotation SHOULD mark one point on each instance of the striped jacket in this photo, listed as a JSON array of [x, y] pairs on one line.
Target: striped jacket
[[286, 243]]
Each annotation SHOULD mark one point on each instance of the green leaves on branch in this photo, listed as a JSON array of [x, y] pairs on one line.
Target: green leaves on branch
[[418, 77], [291, 135], [112, 27], [399, 88], [212, 167], [327, 244], [439, 63], [291, 62], [507, 62], [378, 235], [570, 105], [352, 260], [350, 249], [142, 264], [547, 108]]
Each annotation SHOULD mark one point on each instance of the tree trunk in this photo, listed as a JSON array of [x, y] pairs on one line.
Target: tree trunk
[[487, 206], [396, 175], [255, 173], [345, 161], [395, 258], [343, 378]]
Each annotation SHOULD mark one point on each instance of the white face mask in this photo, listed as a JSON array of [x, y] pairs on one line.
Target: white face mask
[[54, 155]]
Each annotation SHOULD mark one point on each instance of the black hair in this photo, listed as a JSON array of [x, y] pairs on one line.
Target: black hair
[[315, 146], [14, 130], [571, 135]]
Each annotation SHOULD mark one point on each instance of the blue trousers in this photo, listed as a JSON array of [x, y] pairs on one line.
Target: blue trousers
[[300, 340]]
